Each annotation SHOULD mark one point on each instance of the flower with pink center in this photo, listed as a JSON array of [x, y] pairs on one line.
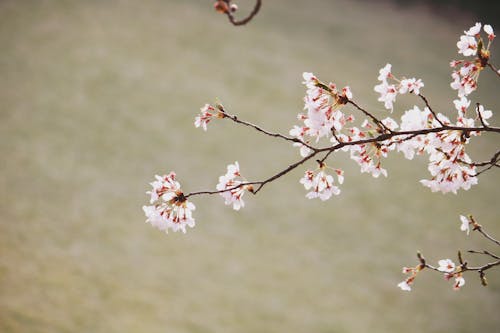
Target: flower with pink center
[[446, 265], [461, 105], [385, 73], [388, 93], [207, 112], [467, 46]]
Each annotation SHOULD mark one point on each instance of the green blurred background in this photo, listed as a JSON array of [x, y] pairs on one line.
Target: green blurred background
[[98, 96]]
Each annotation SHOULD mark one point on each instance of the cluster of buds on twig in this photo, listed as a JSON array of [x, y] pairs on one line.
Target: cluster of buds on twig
[[450, 270]]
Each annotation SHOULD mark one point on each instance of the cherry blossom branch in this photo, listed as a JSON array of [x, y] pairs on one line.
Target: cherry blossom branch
[[260, 183], [227, 8], [260, 129], [449, 268], [332, 149]]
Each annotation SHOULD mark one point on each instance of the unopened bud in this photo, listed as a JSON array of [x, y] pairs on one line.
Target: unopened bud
[[233, 7], [221, 7]]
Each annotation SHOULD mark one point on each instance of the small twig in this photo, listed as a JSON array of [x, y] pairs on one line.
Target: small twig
[[375, 119], [494, 69], [260, 129], [486, 235], [430, 109], [494, 256], [261, 183], [235, 22], [480, 116]]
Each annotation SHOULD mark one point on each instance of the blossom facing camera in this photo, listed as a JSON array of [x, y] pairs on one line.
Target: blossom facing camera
[[446, 265], [169, 208]]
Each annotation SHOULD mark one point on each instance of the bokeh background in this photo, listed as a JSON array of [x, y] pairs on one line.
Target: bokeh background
[[96, 97]]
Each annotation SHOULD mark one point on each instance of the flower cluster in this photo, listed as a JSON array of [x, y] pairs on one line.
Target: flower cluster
[[450, 270], [320, 183], [446, 266], [207, 113], [450, 166], [169, 208], [231, 188], [412, 271], [324, 116], [471, 44], [390, 86], [368, 155]]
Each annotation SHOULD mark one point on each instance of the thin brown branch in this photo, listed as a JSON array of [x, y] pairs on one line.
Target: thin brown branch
[[243, 21], [260, 184], [494, 69], [373, 118], [260, 129], [430, 109], [486, 235], [336, 147], [488, 253]]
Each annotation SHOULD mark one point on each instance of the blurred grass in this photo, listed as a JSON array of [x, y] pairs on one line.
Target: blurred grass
[[98, 96]]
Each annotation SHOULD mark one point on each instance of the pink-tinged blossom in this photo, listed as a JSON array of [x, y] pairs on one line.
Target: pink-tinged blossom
[[413, 120], [230, 185], [464, 85], [489, 30], [412, 271], [459, 282], [474, 30], [446, 265], [169, 208], [322, 105], [389, 90], [466, 77], [450, 166], [465, 224], [467, 46], [385, 73], [321, 184], [461, 106], [410, 85], [388, 93], [207, 112]]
